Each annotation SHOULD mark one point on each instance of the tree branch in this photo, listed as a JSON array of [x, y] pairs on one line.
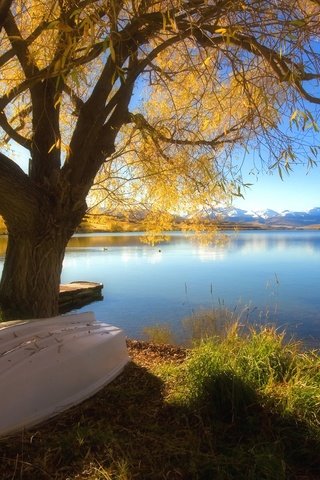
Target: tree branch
[[13, 132], [20, 47], [46, 73], [97, 127], [39, 29], [4, 10], [286, 69], [220, 139], [19, 197], [33, 36], [77, 102]]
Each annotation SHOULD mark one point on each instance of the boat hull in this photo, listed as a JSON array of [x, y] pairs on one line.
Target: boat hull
[[49, 365]]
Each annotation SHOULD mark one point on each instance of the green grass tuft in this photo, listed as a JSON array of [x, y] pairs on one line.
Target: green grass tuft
[[262, 362], [244, 405], [159, 333]]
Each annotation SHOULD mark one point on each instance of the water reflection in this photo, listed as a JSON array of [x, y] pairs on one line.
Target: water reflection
[[241, 241], [212, 253], [274, 240], [272, 275]]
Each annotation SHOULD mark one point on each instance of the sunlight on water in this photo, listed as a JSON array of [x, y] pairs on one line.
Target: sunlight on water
[[272, 276]]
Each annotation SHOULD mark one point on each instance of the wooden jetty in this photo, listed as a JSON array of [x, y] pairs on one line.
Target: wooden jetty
[[77, 294]]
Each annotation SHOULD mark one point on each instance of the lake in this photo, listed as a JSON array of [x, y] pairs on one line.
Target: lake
[[265, 276]]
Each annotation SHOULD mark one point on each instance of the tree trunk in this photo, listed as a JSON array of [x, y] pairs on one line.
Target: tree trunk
[[4, 9], [40, 219], [30, 281]]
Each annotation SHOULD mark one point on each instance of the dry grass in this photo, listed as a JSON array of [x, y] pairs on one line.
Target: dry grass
[[140, 427]]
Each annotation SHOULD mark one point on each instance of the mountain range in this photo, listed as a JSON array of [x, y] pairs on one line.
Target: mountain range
[[269, 218]]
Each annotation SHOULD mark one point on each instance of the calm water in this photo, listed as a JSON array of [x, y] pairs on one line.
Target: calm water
[[272, 277]]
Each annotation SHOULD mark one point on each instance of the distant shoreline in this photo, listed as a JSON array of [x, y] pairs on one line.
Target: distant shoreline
[[231, 226], [105, 224], [129, 228]]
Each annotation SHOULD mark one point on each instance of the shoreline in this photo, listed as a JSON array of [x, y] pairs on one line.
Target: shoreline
[[145, 424], [221, 228]]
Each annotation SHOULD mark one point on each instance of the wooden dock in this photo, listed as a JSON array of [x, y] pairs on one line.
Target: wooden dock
[[77, 294]]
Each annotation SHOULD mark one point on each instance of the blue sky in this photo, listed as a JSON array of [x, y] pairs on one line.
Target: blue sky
[[299, 191]]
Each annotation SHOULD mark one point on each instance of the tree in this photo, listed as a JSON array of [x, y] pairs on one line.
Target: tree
[[218, 74], [4, 9]]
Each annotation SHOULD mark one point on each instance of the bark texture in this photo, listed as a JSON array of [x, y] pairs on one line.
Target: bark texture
[[40, 221], [31, 275], [4, 9]]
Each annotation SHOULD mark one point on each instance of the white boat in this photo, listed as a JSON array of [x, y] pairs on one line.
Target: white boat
[[49, 365]]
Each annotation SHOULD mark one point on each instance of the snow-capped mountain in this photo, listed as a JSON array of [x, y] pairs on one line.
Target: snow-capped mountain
[[268, 213], [315, 212], [270, 217], [288, 213]]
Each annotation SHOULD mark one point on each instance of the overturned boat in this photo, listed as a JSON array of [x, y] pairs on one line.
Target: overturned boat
[[49, 365]]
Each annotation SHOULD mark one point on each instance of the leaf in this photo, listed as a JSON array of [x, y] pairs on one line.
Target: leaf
[[52, 25], [51, 148], [298, 23], [164, 21], [174, 24], [57, 66], [64, 27], [76, 12], [58, 101], [57, 145], [222, 30], [112, 50]]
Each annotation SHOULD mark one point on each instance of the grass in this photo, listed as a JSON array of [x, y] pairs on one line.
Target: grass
[[244, 405]]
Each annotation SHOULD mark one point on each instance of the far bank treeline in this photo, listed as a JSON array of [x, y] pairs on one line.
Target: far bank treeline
[[117, 223], [107, 223], [122, 223]]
